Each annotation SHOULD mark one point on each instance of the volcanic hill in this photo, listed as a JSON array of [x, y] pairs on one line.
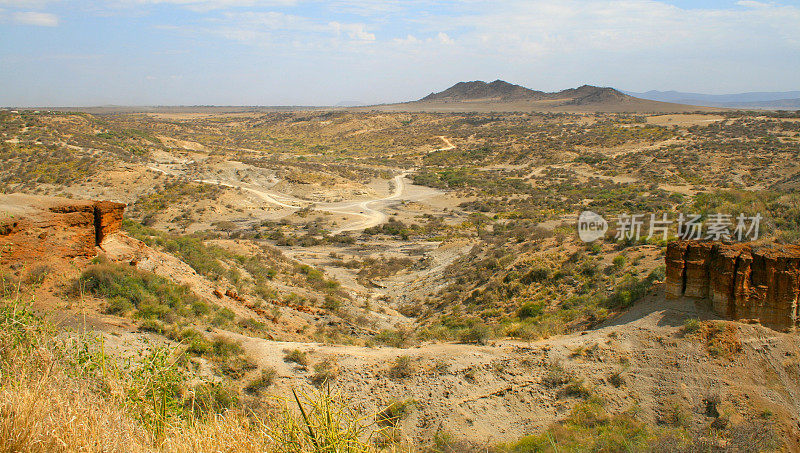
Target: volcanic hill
[[480, 96]]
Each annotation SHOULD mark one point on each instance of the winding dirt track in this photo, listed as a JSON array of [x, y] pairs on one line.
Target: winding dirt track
[[370, 216], [449, 144], [368, 210]]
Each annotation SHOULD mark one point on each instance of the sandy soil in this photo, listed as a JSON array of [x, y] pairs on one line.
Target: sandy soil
[[495, 392]]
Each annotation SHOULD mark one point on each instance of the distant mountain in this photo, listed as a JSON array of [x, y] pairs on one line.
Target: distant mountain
[[501, 96], [588, 95], [500, 90], [772, 100]]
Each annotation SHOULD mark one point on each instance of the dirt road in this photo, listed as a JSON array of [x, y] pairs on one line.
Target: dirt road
[[371, 217]]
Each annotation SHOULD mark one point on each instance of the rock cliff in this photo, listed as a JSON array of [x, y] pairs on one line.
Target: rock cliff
[[35, 228], [742, 281]]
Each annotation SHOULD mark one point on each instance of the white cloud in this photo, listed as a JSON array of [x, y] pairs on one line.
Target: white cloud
[[259, 21], [619, 27], [209, 5], [444, 39], [753, 4], [35, 18], [356, 32], [281, 31], [409, 40], [26, 3]]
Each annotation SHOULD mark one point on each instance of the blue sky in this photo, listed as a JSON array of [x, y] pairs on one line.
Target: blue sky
[[297, 52]]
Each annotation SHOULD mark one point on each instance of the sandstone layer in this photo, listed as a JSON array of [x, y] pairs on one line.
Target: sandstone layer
[[742, 281], [38, 229]]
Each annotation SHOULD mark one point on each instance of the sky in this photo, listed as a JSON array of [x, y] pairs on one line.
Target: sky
[[314, 52]]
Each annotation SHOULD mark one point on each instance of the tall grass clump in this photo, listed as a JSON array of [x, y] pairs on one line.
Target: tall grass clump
[[62, 392]]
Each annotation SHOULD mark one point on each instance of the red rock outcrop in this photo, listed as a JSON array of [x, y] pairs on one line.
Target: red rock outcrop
[[107, 218], [742, 281], [35, 228]]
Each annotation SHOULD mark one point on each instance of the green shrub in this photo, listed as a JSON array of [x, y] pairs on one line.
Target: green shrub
[[395, 412], [200, 346], [148, 295], [691, 325], [403, 367], [616, 379], [252, 325], [37, 275], [631, 290], [262, 382], [325, 372], [223, 347], [331, 303], [235, 367], [119, 305], [588, 428], [211, 398], [478, 333], [535, 275], [619, 261], [222, 317], [576, 388], [556, 376], [297, 356], [399, 338], [530, 310]]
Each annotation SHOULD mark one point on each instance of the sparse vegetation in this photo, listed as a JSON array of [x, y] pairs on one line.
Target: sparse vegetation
[[141, 294], [297, 356], [144, 405], [487, 268]]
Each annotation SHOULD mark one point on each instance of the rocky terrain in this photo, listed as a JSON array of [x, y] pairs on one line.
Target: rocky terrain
[[505, 389], [421, 265]]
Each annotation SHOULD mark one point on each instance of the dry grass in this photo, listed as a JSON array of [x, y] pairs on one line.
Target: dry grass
[[62, 395], [39, 415], [721, 339], [44, 406]]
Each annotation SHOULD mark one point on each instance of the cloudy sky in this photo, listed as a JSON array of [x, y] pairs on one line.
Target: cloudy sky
[[314, 52]]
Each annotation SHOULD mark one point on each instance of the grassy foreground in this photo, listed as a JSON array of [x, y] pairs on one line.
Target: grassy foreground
[[60, 393], [63, 393]]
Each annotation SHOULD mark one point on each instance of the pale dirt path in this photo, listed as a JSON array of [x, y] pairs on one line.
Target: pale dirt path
[[370, 214], [495, 392], [269, 197], [447, 142], [370, 217]]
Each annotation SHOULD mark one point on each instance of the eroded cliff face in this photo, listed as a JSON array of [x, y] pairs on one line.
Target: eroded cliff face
[[742, 281], [34, 228]]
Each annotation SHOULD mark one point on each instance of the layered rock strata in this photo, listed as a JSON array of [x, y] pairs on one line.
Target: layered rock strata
[[742, 281], [36, 228]]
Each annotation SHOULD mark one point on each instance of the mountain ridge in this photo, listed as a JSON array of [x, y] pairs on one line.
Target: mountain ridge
[[500, 90], [773, 100]]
